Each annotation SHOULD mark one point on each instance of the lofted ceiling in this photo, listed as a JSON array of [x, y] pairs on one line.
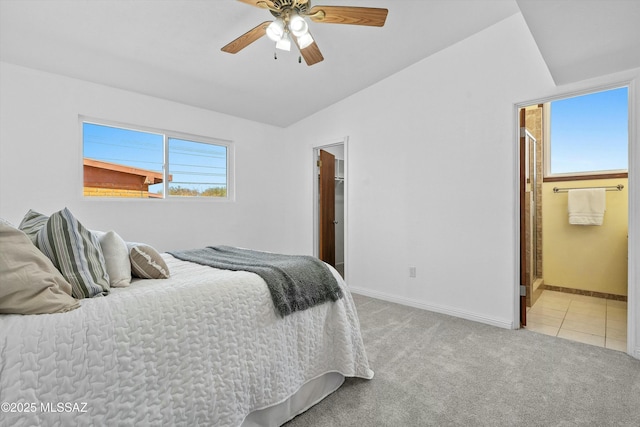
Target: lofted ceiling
[[171, 49]]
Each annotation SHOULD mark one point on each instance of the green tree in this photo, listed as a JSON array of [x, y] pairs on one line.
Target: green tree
[[177, 190], [215, 192], [181, 191]]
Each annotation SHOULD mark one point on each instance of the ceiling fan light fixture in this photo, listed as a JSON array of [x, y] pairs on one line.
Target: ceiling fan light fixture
[[275, 30], [298, 26], [284, 43], [305, 40], [291, 24]]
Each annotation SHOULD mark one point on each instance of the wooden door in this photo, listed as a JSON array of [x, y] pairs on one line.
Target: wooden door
[[327, 207], [523, 224]]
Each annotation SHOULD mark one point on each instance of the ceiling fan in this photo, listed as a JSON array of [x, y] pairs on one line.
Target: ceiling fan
[[290, 24]]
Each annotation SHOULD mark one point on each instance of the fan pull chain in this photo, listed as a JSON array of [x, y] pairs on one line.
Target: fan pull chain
[[299, 60], [275, 55]]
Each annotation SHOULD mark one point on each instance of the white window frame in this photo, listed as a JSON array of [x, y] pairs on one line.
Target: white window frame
[[166, 134], [547, 137]]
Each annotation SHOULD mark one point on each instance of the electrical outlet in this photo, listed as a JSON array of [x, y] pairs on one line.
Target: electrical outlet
[[412, 272]]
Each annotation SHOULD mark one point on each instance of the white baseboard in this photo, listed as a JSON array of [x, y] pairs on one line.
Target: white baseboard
[[501, 323]]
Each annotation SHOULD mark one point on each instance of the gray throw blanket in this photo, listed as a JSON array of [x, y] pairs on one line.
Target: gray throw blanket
[[296, 282]]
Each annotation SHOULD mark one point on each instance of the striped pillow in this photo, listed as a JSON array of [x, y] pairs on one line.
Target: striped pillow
[[32, 223], [76, 252], [146, 262]]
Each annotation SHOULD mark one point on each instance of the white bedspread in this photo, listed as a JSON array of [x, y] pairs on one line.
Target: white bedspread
[[204, 347]]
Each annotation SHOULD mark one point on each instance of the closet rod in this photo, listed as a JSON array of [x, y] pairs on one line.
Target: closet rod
[[618, 187]]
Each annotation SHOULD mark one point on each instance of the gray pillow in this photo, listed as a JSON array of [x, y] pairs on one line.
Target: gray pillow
[[29, 282]]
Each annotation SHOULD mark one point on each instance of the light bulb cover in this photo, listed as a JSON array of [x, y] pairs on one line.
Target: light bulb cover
[[298, 25], [275, 30], [284, 43], [304, 40]]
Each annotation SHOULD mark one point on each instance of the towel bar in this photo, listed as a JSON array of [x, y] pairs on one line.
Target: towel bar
[[618, 187]]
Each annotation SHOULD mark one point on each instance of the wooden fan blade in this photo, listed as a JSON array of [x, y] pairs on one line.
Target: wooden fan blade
[[247, 38], [311, 53], [264, 4], [371, 16]]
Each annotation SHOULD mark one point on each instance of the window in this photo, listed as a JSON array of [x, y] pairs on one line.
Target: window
[[197, 169], [135, 163], [589, 134]]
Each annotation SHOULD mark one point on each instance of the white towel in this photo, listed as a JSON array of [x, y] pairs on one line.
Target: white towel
[[586, 206]]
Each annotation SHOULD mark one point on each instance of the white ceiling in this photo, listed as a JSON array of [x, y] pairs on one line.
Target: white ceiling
[[171, 49], [580, 39]]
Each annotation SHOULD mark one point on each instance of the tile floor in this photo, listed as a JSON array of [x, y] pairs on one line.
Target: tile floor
[[589, 320]]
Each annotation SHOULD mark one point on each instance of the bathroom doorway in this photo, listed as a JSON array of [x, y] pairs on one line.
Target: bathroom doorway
[[573, 277], [330, 196]]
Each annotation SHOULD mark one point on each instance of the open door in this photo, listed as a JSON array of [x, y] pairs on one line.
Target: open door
[[327, 231], [524, 167]]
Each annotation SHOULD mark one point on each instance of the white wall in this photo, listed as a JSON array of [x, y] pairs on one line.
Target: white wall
[[41, 164], [432, 175]]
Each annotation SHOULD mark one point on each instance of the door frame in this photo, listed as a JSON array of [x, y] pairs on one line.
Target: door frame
[[633, 283], [344, 141]]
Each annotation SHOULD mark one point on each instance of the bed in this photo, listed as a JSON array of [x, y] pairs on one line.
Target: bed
[[204, 346]]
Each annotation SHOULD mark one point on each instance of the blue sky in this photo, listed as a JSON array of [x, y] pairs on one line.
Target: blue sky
[[192, 164], [590, 132]]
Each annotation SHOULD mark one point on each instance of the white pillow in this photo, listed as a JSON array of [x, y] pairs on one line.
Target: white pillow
[[116, 257]]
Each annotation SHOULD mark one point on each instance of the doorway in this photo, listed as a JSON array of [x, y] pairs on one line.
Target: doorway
[[330, 204], [574, 277], [531, 122]]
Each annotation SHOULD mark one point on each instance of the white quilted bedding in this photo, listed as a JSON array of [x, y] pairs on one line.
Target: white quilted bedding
[[204, 347]]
